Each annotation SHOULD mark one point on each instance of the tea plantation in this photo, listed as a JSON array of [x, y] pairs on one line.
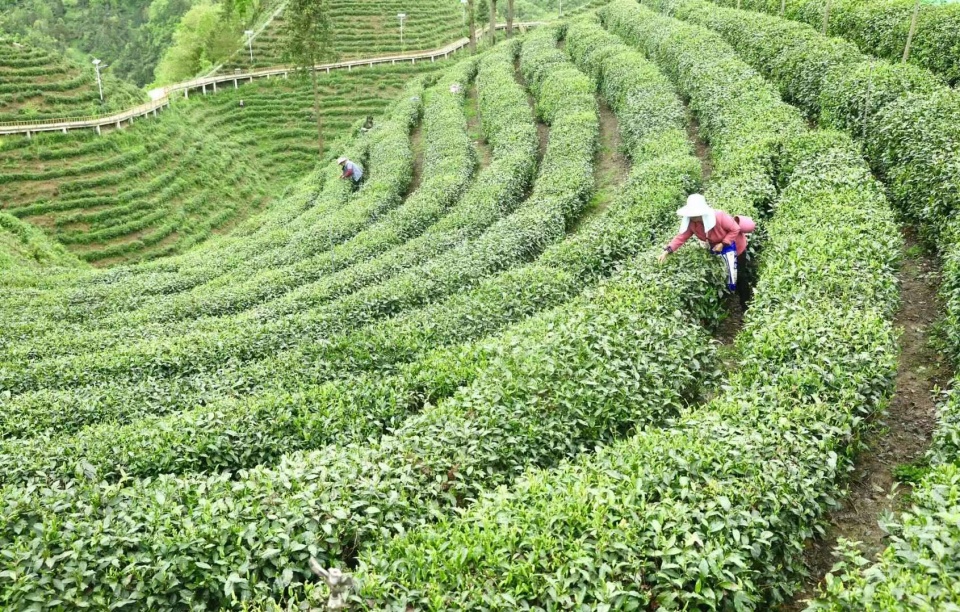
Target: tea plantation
[[163, 184], [467, 383], [36, 83], [370, 28]]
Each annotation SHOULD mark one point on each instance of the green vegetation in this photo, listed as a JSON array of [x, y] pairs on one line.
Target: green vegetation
[[460, 381], [165, 183], [365, 28], [881, 27], [36, 83], [204, 37], [909, 124], [130, 35]]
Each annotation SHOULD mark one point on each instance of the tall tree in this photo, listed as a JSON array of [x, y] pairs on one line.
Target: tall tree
[[493, 22], [308, 40], [472, 14], [509, 18]]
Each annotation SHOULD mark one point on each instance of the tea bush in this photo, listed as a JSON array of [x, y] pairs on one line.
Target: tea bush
[[711, 511], [880, 27]]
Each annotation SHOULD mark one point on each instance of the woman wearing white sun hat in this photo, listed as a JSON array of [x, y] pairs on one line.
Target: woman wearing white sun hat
[[724, 234]]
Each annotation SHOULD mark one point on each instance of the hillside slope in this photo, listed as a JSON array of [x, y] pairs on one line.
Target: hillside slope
[[164, 184], [366, 28], [37, 83]]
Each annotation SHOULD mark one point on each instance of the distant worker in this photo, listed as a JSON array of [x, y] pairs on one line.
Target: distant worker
[[725, 236], [241, 103], [351, 171], [368, 124]]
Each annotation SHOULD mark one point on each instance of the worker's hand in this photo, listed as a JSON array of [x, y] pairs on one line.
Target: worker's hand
[[718, 248], [663, 257]]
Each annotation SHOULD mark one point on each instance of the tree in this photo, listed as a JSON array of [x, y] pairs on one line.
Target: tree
[[493, 22], [509, 18], [471, 12], [202, 39], [307, 41]]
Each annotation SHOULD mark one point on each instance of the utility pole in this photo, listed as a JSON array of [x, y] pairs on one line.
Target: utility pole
[[463, 6], [96, 66], [249, 34], [561, 8], [402, 17]]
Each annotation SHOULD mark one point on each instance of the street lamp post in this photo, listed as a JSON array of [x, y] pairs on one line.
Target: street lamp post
[[463, 6], [249, 34], [402, 17], [96, 65], [561, 8]]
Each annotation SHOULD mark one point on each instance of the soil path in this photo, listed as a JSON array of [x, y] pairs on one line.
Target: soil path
[[904, 433], [700, 147], [475, 129], [416, 145], [543, 130], [610, 168]]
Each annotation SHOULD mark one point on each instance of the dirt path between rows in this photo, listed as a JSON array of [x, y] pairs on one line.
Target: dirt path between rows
[[475, 128], [610, 167], [700, 147], [904, 434], [543, 130], [416, 145]]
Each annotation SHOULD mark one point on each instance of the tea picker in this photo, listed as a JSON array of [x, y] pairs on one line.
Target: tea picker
[[351, 171], [724, 235]]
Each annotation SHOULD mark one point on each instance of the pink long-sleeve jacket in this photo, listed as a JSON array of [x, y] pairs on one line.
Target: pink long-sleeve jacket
[[726, 231]]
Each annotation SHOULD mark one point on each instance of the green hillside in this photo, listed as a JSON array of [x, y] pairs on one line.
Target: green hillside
[[165, 183], [366, 28], [479, 379], [36, 83]]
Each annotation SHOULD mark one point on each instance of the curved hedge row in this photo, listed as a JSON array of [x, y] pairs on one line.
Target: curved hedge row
[[206, 540], [448, 165], [231, 434], [910, 126], [880, 27], [713, 511]]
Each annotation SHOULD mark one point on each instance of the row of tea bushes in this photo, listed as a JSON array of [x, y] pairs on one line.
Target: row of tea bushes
[[880, 27], [264, 524], [713, 510], [910, 127]]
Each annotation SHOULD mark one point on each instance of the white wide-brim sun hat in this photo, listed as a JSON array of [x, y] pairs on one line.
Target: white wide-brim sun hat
[[697, 206], [342, 160]]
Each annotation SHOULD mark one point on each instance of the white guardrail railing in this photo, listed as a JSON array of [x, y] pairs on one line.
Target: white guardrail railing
[[161, 97]]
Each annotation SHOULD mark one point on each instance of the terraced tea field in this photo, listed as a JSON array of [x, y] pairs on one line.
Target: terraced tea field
[[38, 84], [365, 28], [468, 384], [167, 183]]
